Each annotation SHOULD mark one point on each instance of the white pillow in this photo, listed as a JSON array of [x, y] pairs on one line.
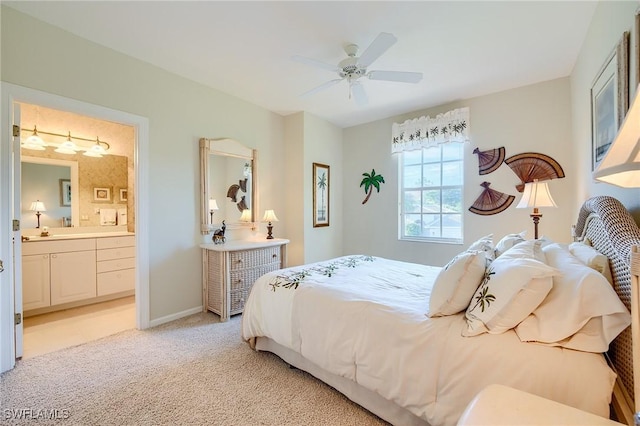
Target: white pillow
[[455, 284], [530, 249], [592, 258], [513, 288], [484, 244], [582, 311], [509, 241]]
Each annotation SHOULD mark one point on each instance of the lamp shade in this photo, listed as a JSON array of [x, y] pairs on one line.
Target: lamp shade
[[536, 194], [38, 206], [213, 205], [34, 141], [621, 164], [269, 216], [246, 215]]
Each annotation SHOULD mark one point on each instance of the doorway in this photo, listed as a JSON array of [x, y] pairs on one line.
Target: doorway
[[11, 310], [62, 175]]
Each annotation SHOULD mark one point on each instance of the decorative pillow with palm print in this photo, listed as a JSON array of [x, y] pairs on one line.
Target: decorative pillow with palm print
[[455, 284], [513, 286]]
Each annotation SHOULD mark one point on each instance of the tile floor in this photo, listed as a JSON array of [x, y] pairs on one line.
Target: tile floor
[[57, 330]]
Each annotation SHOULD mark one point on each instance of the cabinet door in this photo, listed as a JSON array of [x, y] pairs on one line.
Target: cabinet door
[[35, 281], [73, 276]]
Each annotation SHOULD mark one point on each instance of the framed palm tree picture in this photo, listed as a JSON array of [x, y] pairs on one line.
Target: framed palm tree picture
[[320, 195]]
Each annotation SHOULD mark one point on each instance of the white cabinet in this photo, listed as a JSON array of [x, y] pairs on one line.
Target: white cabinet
[[35, 278], [58, 272], [73, 276], [116, 258], [230, 270]]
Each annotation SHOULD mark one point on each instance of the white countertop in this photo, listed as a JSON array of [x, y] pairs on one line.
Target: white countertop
[[244, 244], [77, 236]]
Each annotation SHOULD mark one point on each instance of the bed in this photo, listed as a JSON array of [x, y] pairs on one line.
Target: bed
[[370, 328]]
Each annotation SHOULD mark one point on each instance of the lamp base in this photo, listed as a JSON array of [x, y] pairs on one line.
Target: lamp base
[[269, 231], [536, 219]]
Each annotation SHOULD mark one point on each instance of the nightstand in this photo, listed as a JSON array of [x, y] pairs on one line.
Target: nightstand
[[498, 405], [230, 269]]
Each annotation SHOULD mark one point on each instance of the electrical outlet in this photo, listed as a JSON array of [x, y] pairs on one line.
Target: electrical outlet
[[84, 217]]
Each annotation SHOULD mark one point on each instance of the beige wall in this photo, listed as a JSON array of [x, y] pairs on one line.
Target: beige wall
[[534, 118], [179, 112], [610, 20], [309, 140]]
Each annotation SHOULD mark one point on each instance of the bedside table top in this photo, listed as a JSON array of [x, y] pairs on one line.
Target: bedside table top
[[501, 405], [236, 245]]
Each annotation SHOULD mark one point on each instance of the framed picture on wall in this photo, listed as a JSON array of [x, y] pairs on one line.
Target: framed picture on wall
[[320, 195], [123, 195], [65, 192], [102, 195], [609, 100]]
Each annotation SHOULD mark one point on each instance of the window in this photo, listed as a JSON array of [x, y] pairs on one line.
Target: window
[[431, 190]]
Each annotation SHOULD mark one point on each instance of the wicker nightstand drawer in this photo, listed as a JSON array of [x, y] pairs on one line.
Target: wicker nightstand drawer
[[246, 277], [249, 258]]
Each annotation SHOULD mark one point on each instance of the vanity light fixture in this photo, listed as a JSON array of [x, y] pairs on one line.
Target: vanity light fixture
[[97, 150], [34, 141], [38, 207], [269, 216], [213, 206], [67, 147]]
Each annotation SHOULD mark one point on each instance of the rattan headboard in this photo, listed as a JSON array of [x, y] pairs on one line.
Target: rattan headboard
[[604, 223]]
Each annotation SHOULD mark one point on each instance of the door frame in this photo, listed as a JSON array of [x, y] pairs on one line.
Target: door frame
[[10, 94]]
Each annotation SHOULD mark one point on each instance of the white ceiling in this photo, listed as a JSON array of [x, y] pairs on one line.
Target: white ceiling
[[464, 48]]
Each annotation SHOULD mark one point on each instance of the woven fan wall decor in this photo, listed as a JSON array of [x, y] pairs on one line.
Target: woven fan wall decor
[[491, 201], [529, 166], [490, 160]]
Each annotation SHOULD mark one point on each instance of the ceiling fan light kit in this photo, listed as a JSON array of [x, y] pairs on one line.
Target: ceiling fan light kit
[[354, 67]]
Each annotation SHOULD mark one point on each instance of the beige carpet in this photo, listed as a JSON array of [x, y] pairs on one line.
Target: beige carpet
[[193, 371]]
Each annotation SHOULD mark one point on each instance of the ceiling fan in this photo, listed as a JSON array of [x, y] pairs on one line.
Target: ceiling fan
[[354, 67]]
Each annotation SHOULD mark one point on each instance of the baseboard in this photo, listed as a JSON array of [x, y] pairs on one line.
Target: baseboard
[[173, 317]]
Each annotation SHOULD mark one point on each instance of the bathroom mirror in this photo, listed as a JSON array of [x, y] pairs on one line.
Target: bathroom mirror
[[67, 188], [53, 182], [228, 176]]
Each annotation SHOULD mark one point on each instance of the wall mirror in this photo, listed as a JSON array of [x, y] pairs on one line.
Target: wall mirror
[[54, 183], [228, 184], [67, 188]]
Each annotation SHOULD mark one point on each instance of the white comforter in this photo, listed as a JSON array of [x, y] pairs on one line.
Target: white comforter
[[367, 323]]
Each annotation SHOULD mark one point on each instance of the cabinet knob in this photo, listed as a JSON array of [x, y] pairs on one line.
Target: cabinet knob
[[274, 255], [54, 256], [239, 260]]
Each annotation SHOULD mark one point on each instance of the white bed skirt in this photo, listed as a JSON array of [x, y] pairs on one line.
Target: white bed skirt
[[381, 407]]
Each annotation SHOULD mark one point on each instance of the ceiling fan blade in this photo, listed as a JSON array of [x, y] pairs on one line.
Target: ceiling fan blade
[[401, 76], [380, 45], [357, 90], [314, 63], [321, 87]]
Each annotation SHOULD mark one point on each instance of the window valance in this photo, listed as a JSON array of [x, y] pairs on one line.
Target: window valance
[[425, 132]]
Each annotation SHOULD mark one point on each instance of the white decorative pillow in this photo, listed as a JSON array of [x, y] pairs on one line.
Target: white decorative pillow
[[530, 249], [509, 241], [582, 311], [592, 258], [512, 289], [484, 244], [455, 284]]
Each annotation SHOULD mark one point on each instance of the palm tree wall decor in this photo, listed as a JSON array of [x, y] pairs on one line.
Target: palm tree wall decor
[[320, 195], [369, 182]]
